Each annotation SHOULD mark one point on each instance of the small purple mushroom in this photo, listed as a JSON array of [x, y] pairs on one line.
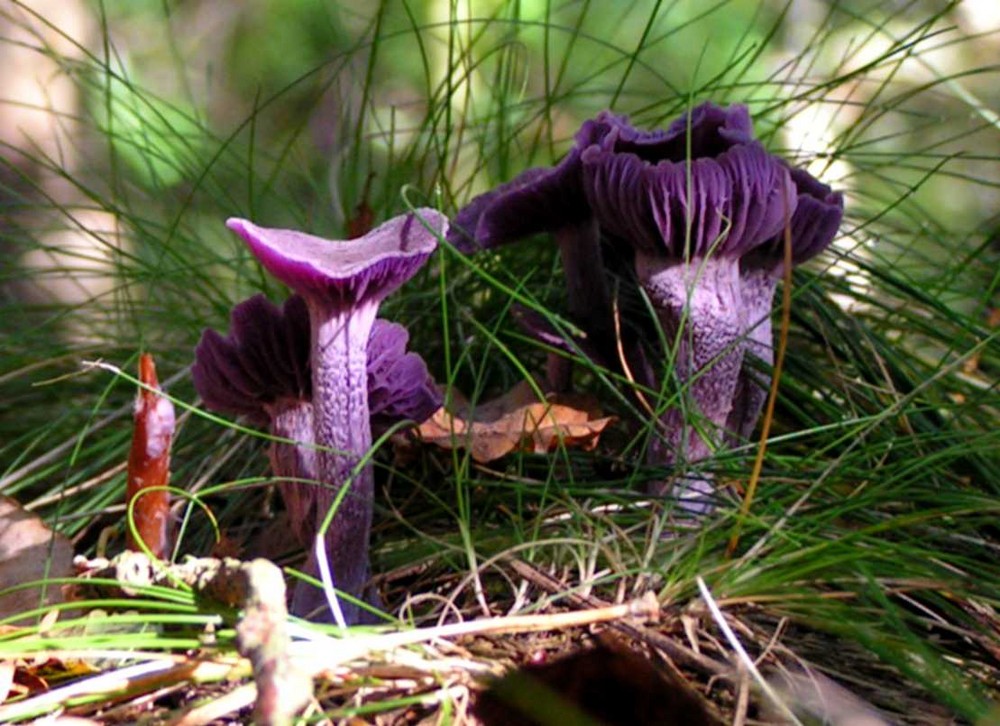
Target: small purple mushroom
[[261, 371], [399, 386], [342, 284], [553, 201]]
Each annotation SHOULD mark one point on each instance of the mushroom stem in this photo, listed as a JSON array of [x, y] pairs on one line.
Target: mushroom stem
[[758, 286], [586, 292], [295, 464], [343, 435], [699, 305]]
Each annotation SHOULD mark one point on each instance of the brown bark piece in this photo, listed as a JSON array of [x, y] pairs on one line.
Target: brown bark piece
[[258, 589], [149, 465]]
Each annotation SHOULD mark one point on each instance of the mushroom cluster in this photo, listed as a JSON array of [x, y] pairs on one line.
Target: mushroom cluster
[[321, 372], [698, 214], [701, 209]]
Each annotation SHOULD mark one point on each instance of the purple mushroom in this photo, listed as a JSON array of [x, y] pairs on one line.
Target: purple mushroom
[[701, 208], [691, 202], [342, 285], [261, 371], [552, 201]]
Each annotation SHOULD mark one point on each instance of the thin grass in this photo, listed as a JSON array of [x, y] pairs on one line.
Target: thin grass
[[873, 527]]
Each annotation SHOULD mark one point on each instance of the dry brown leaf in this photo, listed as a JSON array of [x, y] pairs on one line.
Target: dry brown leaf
[[29, 551], [517, 421]]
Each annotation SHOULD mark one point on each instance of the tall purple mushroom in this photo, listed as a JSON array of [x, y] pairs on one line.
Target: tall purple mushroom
[[342, 284], [691, 202], [701, 208], [261, 371]]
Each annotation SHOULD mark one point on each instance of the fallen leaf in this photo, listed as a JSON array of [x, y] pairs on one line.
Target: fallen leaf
[[149, 464], [29, 552], [30, 677], [517, 421]]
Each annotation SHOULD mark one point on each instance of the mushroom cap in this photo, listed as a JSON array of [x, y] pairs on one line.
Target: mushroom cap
[[703, 186], [265, 359], [399, 386], [636, 182], [537, 200], [541, 199], [345, 273], [818, 213], [710, 128]]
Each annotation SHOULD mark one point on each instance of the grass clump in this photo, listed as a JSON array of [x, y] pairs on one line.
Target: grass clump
[[870, 550]]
